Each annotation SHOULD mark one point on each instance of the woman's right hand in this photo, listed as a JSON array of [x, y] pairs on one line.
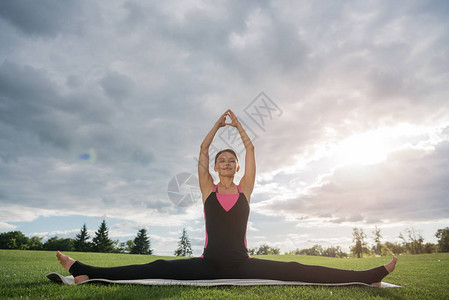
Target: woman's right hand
[[222, 120]]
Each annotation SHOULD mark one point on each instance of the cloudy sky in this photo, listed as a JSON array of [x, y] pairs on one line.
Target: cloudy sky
[[103, 106]]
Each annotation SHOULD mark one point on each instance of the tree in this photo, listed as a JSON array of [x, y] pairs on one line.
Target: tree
[[129, 246], [13, 240], [413, 242], [394, 248], [360, 245], [443, 242], [334, 252], [340, 253], [101, 241], [118, 247], [430, 248], [275, 251], [377, 248], [142, 243], [54, 243], [184, 247], [264, 250], [316, 250], [81, 240], [35, 243]]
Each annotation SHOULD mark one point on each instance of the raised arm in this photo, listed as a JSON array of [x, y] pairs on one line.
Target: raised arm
[[205, 179], [248, 179]]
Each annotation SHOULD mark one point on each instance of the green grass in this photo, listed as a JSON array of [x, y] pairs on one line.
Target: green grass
[[22, 275]]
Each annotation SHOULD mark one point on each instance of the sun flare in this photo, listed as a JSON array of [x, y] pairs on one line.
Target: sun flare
[[367, 148]]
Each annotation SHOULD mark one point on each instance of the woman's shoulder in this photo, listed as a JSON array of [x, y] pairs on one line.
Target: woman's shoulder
[[246, 190]]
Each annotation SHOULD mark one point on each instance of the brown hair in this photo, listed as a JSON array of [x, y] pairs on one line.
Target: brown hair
[[226, 150]]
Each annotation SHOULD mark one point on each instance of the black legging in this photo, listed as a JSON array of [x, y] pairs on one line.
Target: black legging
[[251, 268]]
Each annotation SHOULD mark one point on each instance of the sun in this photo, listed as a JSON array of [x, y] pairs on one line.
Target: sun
[[374, 146], [369, 147], [366, 148]]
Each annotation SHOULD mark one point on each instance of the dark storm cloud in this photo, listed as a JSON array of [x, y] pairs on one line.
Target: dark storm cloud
[[46, 17]]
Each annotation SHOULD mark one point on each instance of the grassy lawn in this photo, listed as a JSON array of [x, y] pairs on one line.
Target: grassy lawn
[[22, 275]]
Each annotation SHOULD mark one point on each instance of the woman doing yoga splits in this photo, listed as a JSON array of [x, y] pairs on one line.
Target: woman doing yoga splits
[[226, 210]]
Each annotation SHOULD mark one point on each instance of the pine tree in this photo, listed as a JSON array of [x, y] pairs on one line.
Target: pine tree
[[141, 243], [101, 241], [81, 243], [184, 247]]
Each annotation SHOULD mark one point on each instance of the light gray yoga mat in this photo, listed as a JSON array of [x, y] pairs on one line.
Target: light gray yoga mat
[[210, 282]]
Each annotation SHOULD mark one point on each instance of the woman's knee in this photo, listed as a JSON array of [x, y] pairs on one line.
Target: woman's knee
[[158, 263]]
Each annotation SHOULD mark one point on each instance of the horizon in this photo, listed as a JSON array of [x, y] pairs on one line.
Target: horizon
[[369, 240]]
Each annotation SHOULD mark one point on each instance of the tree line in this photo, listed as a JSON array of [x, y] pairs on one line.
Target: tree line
[[100, 242], [318, 250], [411, 243]]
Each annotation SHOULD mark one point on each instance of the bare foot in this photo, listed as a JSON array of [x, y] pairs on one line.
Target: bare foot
[[67, 262], [391, 265], [390, 268], [81, 278]]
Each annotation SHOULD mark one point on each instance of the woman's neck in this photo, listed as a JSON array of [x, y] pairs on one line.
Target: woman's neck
[[226, 182]]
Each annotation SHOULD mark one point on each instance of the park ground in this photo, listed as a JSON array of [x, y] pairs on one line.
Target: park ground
[[22, 275]]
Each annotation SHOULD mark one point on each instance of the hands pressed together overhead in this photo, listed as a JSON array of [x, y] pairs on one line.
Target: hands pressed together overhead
[[222, 120]]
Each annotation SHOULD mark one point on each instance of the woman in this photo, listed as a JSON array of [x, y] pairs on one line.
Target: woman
[[226, 211]]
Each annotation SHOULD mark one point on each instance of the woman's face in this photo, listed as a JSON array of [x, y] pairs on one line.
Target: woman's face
[[226, 164]]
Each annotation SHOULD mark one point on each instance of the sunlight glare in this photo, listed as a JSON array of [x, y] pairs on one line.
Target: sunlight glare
[[367, 148]]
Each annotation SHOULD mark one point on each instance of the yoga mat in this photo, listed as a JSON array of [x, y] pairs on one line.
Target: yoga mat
[[209, 282]]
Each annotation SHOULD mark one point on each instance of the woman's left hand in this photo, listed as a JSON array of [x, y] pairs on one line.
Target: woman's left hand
[[234, 121]]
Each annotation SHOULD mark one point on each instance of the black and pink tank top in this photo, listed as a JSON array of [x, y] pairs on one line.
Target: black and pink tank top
[[226, 218]]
